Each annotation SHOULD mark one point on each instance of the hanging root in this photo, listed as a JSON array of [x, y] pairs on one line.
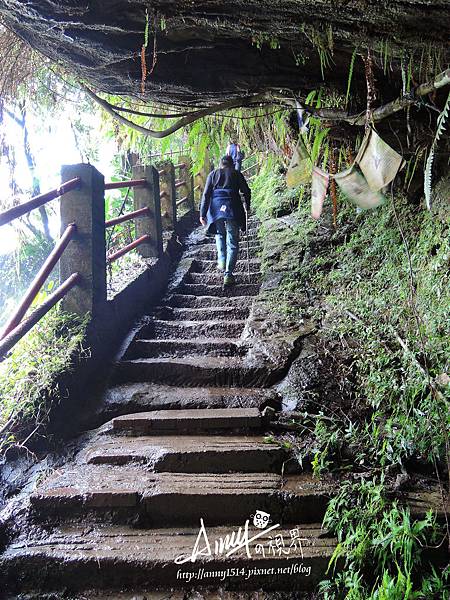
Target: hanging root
[[333, 170], [370, 82]]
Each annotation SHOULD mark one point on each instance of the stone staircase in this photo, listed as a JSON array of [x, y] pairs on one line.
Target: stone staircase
[[184, 443]]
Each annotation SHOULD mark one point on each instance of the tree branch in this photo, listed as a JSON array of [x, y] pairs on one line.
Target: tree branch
[[331, 114], [147, 114], [186, 120]]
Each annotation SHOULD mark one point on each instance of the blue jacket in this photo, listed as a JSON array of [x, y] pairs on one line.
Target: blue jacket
[[224, 186], [234, 150]]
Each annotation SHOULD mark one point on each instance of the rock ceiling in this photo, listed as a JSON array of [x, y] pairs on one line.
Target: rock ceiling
[[203, 51]]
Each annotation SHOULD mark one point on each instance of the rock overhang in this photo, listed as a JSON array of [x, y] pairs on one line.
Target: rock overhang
[[210, 51]]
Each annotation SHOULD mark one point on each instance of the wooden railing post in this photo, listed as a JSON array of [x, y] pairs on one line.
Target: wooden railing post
[[86, 254], [150, 225], [167, 194]]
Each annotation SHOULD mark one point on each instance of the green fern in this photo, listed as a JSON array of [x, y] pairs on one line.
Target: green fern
[[441, 123], [350, 76], [317, 144]]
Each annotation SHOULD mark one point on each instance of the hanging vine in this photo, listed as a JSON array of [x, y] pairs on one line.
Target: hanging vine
[[370, 82], [441, 124]]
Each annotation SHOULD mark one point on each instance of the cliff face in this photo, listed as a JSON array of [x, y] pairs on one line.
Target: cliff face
[[203, 51]]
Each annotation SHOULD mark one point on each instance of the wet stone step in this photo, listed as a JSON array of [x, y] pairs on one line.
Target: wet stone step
[[210, 266], [254, 248], [193, 371], [192, 301], [136, 397], [168, 313], [209, 253], [189, 453], [253, 231], [181, 348], [189, 420], [122, 494], [200, 289], [217, 278], [70, 558], [242, 246], [191, 329]]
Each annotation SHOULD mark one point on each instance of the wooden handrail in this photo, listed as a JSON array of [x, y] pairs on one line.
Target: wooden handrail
[[24, 327], [115, 255], [39, 280], [128, 216], [114, 185], [22, 209]]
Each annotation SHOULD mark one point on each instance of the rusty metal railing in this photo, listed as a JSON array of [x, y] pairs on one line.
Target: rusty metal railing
[[16, 327], [22, 209], [115, 185], [16, 334], [182, 200], [128, 216], [115, 255], [80, 271], [39, 280]]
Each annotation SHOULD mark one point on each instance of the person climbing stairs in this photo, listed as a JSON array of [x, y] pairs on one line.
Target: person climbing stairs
[[224, 213]]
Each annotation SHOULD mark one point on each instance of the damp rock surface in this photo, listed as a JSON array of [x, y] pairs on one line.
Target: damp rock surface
[[212, 51]]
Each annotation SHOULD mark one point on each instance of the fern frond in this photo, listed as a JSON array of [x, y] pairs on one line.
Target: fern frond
[[441, 124]]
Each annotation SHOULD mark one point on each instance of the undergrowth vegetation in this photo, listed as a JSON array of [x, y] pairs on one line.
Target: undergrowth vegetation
[[380, 541], [29, 376], [380, 290]]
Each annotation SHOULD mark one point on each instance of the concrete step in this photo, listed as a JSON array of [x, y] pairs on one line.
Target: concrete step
[[188, 453], [190, 330], [193, 371], [73, 558], [201, 289], [192, 301], [168, 313], [177, 348], [136, 397], [217, 278], [196, 420], [210, 266], [132, 493]]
